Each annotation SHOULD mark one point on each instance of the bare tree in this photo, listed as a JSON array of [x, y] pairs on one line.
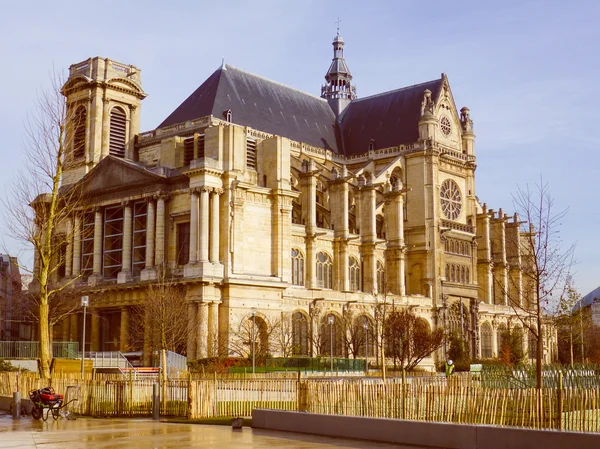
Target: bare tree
[[410, 339], [163, 316], [263, 331], [538, 253], [40, 208], [283, 337]]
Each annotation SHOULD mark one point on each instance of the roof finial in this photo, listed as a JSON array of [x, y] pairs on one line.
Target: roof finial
[[338, 21]]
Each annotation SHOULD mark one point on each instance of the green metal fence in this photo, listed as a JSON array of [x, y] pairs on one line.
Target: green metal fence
[[314, 364], [31, 349]]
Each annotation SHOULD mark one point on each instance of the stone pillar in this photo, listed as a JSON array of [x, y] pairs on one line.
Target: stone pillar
[[495, 325], [213, 328], [368, 236], [125, 274], [191, 341], [202, 326], [204, 217], [69, 251], [339, 219], [308, 185], [281, 234], [193, 226], [395, 251], [124, 331], [95, 336], [150, 228], [76, 245], [476, 343], [159, 252], [214, 225], [97, 265], [105, 127]]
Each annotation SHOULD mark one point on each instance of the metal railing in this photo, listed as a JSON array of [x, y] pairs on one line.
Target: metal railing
[[315, 364], [31, 349], [108, 359]]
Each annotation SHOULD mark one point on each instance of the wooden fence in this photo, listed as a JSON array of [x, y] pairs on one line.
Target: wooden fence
[[459, 401]]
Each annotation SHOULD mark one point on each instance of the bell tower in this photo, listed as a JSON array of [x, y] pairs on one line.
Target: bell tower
[[339, 89], [103, 113]]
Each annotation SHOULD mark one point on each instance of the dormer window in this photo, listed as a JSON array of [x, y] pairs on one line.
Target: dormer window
[[228, 115], [372, 145]]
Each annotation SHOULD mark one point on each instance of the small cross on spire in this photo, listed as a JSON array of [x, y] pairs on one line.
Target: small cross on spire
[[338, 21]]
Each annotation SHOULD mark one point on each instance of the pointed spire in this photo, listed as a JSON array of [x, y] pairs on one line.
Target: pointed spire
[[338, 90]]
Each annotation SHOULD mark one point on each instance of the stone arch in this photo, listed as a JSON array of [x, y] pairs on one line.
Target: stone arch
[[364, 327], [331, 335]]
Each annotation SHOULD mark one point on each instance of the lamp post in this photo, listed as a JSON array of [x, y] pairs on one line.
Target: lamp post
[[330, 320], [253, 338], [85, 301], [366, 326]]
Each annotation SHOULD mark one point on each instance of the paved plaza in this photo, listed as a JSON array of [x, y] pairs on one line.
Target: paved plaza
[[27, 433]]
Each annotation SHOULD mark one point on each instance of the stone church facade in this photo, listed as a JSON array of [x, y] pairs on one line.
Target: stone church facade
[[275, 205]]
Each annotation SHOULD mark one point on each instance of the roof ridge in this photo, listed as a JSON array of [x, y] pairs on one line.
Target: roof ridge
[[397, 90], [229, 66]]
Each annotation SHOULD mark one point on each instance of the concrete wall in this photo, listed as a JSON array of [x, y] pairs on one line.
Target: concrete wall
[[435, 435], [6, 400]]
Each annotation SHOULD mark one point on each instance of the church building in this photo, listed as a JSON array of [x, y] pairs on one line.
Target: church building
[[283, 209]]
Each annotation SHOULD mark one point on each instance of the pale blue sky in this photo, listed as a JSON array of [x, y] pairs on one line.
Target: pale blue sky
[[527, 69]]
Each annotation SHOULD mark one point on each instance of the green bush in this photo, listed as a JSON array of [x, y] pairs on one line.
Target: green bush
[[5, 365]]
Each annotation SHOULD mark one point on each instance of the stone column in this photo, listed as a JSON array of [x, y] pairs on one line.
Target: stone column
[[97, 266], [95, 335], [308, 187], [204, 217], [193, 226], [214, 225], [124, 331], [495, 325], [339, 219], [159, 254], [368, 236], [105, 127], [76, 245], [202, 326], [213, 328], [125, 274], [69, 251], [191, 341], [150, 228], [395, 257], [476, 343]]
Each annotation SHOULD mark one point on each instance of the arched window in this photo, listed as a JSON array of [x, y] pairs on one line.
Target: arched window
[[354, 268], [364, 330], [503, 338], [118, 132], [486, 341], [79, 121], [324, 271], [467, 276], [447, 272], [297, 267], [452, 274], [381, 288], [299, 334], [331, 336]]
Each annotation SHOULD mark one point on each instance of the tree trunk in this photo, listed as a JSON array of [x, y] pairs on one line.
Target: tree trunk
[[45, 353]]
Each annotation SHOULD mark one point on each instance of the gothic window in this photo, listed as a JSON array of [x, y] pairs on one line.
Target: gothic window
[[183, 243], [324, 271], [297, 267], [113, 241], [118, 132], [380, 277], [366, 339], [447, 272], [502, 334], [139, 237], [79, 122], [451, 199], [250, 154], [380, 226], [87, 244], [299, 334], [331, 336], [486, 341], [354, 268], [467, 276]]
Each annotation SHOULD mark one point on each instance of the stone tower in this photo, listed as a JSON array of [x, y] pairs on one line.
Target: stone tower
[[339, 90], [103, 113]]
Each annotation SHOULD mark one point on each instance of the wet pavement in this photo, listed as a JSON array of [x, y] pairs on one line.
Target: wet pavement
[[121, 433]]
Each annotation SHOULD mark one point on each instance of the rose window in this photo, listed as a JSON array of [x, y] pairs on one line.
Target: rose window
[[445, 126], [451, 199]]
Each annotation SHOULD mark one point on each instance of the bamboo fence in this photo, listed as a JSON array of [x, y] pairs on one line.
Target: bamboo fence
[[459, 401]]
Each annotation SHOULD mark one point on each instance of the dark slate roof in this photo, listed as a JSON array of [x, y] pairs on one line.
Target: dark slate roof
[[260, 104], [390, 118]]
